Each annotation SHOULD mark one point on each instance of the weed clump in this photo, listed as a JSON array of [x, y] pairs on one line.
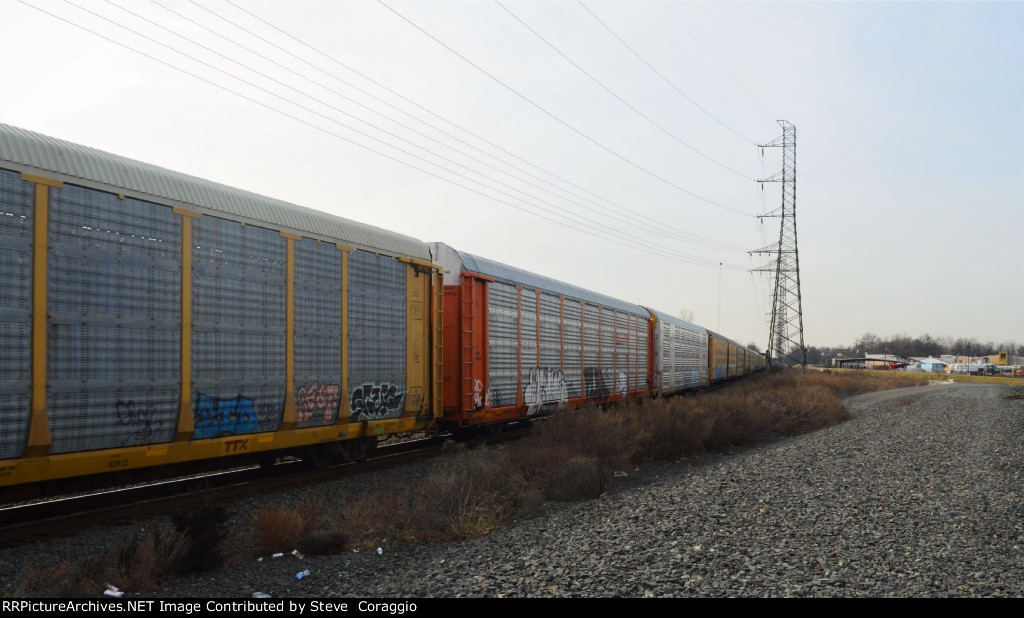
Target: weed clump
[[142, 562], [201, 525]]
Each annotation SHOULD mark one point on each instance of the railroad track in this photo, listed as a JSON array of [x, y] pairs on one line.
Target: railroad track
[[59, 515]]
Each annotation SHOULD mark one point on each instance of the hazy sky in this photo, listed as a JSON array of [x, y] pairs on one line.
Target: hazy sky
[[484, 125]]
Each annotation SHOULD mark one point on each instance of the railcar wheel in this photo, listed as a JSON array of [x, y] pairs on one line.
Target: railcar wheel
[[491, 430], [360, 448], [320, 456]]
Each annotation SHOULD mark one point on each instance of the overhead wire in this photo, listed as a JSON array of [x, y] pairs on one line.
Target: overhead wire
[[619, 98], [652, 227], [668, 10], [665, 79], [329, 132], [697, 238], [262, 74], [438, 116], [590, 224], [559, 120]]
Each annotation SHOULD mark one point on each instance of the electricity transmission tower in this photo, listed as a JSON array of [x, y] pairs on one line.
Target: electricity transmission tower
[[786, 336]]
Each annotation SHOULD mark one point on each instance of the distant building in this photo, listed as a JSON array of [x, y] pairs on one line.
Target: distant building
[[928, 364], [873, 361]]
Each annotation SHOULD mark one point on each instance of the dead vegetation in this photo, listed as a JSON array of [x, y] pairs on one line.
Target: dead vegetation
[[570, 456], [574, 454]]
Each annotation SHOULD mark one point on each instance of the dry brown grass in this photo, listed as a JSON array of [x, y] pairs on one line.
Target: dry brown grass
[[324, 542], [465, 494], [146, 562], [848, 382], [471, 492], [589, 432], [141, 563], [762, 407], [278, 528], [570, 456]]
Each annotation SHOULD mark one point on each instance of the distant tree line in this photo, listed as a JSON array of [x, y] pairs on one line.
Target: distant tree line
[[925, 345]]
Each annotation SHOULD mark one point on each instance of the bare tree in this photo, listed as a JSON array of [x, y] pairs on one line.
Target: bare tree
[[868, 343]]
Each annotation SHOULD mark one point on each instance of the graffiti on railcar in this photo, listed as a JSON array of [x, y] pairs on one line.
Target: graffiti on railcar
[[620, 382], [546, 390], [376, 401], [481, 398], [317, 401], [140, 420], [219, 417], [594, 384], [415, 396]]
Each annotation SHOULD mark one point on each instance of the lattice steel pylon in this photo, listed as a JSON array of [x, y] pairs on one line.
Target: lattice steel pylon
[[786, 335]]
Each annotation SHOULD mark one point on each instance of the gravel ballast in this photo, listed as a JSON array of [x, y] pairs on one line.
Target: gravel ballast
[[918, 496]]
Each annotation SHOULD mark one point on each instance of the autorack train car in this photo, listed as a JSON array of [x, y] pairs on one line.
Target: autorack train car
[[519, 344], [728, 359], [149, 319], [680, 352]]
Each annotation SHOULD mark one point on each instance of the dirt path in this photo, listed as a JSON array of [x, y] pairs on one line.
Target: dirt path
[[859, 403]]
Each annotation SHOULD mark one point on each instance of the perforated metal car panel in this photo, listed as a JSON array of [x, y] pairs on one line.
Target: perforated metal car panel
[[550, 332], [238, 327], [573, 352], [625, 378], [593, 382], [376, 336], [527, 334], [317, 332], [612, 382], [688, 365], [41, 154], [599, 352], [683, 354], [16, 224], [544, 386], [503, 343], [641, 346], [114, 320]]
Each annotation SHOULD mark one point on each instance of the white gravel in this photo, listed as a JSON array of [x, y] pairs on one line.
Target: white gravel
[[918, 496]]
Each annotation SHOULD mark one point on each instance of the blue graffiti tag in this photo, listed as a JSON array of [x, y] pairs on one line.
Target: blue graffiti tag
[[218, 417]]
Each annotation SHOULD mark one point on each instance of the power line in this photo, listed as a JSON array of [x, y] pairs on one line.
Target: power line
[[327, 131], [715, 60], [665, 79], [699, 240], [342, 111], [621, 100], [590, 224], [649, 227], [559, 120]]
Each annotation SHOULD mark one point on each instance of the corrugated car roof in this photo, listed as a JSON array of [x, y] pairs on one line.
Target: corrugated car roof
[[509, 274], [26, 151], [671, 319]]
